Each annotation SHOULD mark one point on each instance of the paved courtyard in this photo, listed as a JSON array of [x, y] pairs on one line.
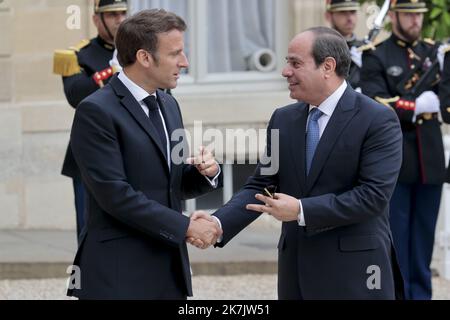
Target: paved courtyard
[[242, 287]]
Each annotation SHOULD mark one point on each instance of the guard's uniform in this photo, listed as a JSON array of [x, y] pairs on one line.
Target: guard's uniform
[[415, 203], [354, 76], [92, 58], [84, 69], [444, 93]]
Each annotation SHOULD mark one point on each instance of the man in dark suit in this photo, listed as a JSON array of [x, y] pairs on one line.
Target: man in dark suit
[[135, 241], [339, 158]]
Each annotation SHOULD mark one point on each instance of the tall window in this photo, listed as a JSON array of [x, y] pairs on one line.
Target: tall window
[[230, 41]]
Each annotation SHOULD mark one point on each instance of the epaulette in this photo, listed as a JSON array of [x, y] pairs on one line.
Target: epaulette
[[370, 45], [83, 43], [429, 41], [65, 62], [387, 101]]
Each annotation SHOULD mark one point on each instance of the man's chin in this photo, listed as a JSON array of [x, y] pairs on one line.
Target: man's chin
[[294, 96], [413, 36], [171, 86]]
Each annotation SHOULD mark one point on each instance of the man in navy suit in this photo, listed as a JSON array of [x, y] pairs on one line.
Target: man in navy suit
[[339, 157], [134, 246]]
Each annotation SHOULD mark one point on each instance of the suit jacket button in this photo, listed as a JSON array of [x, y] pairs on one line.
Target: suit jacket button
[[448, 109], [420, 122]]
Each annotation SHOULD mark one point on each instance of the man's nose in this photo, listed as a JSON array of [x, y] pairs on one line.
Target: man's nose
[[287, 72], [416, 18], [184, 61], [121, 17]]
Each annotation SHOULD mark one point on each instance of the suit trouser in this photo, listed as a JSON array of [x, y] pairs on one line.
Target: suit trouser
[[80, 196], [413, 214]]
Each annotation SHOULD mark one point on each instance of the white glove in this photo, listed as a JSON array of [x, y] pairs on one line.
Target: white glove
[[441, 54], [427, 102], [356, 56], [114, 62]]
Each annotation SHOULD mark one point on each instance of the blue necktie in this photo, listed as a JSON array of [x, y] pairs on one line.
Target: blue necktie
[[155, 118], [312, 136]]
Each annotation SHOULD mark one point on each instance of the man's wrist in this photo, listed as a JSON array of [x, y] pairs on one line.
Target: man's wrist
[[214, 180], [220, 226], [301, 216]]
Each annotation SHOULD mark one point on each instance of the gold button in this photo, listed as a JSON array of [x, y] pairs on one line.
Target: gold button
[[448, 109], [420, 122]]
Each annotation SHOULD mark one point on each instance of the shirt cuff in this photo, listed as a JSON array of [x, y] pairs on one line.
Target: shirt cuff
[[301, 216], [214, 181], [219, 240]]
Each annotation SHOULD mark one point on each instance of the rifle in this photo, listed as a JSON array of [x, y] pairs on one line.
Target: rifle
[[370, 38], [420, 79], [378, 23]]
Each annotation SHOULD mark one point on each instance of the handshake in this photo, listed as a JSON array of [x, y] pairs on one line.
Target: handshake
[[203, 230]]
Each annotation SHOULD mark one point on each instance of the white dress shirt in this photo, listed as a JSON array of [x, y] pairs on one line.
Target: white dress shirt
[[327, 107], [140, 94]]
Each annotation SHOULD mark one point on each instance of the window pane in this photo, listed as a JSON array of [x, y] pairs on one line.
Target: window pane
[[241, 35], [212, 200], [241, 172]]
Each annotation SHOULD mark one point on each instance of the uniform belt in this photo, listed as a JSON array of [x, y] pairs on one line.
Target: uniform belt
[[427, 116]]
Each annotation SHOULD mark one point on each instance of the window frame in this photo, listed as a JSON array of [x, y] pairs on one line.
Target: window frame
[[198, 80]]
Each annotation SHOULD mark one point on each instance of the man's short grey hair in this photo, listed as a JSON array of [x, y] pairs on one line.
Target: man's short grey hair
[[330, 43]]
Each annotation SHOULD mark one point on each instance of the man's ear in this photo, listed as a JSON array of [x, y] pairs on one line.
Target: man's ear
[[328, 16], [96, 20], [329, 66], [392, 16], [144, 58]]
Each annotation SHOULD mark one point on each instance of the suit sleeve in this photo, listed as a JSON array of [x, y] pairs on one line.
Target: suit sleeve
[[97, 153], [193, 183], [444, 90], [380, 162], [374, 84], [233, 216]]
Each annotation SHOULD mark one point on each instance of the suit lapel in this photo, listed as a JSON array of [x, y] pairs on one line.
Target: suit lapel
[[297, 145], [135, 109], [341, 116], [169, 120]]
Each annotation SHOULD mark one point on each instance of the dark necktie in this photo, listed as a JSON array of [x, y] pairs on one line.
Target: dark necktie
[[155, 118], [312, 136]]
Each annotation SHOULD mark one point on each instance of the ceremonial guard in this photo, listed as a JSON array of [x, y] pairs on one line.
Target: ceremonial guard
[[343, 16], [85, 68], [400, 72]]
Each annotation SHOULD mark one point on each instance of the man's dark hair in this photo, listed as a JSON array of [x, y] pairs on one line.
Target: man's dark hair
[[140, 31], [330, 43]]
